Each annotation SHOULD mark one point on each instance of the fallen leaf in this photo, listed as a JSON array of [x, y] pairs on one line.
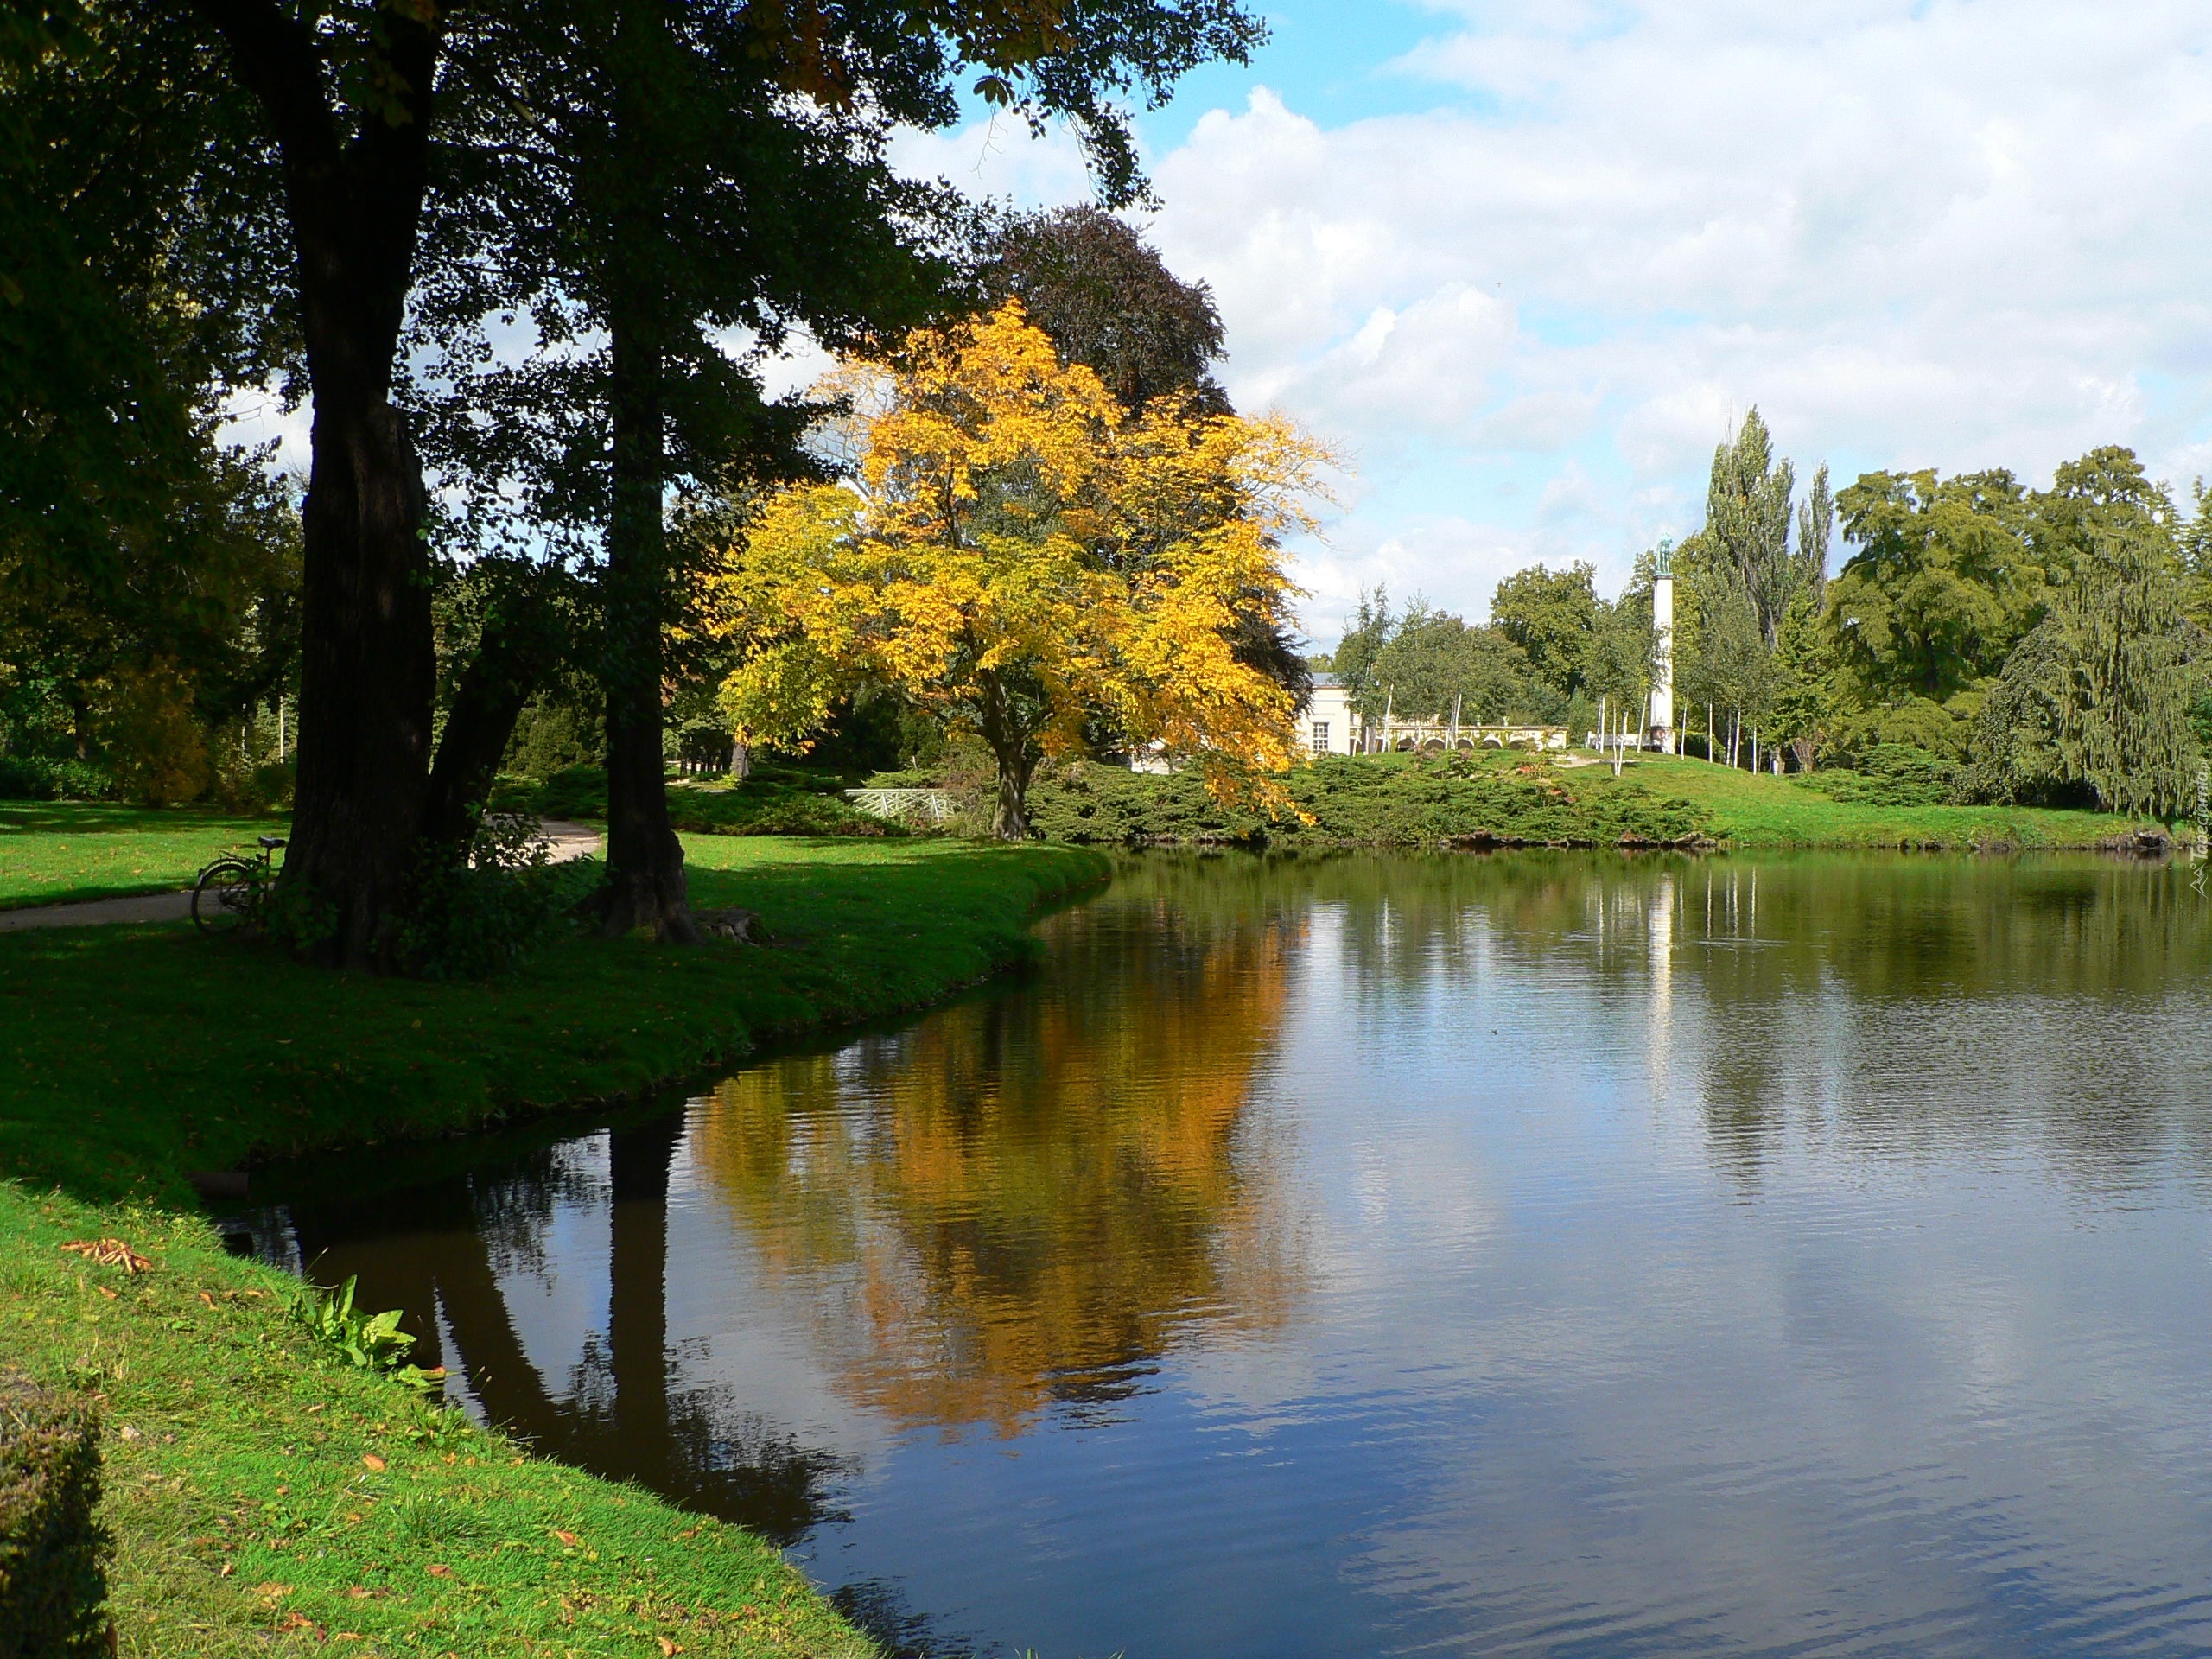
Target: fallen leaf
[[113, 1295], [109, 1253], [437, 1572], [373, 1461], [360, 1592], [668, 1648], [206, 1297], [131, 1434], [568, 1538], [300, 1622], [228, 1568], [274, 1591]]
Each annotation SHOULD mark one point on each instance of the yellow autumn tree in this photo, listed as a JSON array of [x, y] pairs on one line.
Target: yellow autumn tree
[[1024, 561]]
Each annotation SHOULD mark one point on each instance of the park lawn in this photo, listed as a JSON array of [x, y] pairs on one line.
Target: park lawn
[[266, 1497], [60, 852], [130, 1055], [1758, 810], [247, 1516]]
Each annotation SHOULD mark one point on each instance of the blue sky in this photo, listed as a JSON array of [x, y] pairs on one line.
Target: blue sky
[[1526, 265]]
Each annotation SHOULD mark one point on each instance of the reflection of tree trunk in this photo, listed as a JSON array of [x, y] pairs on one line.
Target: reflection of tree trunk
[[505, 1383], [636, 1322]]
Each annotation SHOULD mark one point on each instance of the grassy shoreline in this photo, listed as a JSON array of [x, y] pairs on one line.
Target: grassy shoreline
[[248, 1516]]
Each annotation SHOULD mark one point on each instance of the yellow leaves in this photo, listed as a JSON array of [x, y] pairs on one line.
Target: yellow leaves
[[1008, 526]]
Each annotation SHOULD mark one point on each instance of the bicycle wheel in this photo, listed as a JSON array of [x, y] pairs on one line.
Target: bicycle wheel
[[224, 897]]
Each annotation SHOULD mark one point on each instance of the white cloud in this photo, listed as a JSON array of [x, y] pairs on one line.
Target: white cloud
[[1956, 235]]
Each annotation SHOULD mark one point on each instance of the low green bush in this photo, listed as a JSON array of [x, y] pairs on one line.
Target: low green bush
[[1891, 774], [1381, 801], [473, 919], [53, 1586], [33, 777]]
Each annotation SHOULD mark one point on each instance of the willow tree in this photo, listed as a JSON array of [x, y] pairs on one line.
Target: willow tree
[[1025, 561], [2096, 698]]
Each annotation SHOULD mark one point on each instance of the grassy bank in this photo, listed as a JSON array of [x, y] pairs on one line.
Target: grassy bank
[[1400, 801], [1752, 810], [58, 852], [265, 1497], [134, 1054]]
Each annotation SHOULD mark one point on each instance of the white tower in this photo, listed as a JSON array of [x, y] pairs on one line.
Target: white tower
[[1663, 667]]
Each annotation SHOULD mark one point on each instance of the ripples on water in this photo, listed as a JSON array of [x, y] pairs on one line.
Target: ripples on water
[[1537, 1255]]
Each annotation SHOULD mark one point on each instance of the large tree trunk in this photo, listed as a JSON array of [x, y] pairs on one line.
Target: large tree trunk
[[1017, 758], [512, 654], [644, 860], [367, 674], [354, 199]]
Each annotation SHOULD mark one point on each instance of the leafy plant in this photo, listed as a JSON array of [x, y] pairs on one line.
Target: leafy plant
[[372, 1342]]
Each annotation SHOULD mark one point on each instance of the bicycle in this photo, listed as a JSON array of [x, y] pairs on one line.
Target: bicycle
[[230, 894]]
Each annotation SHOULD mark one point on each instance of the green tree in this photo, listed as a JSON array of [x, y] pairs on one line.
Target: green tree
[[1808, 698], [1946, 580], [1435, 663], [1553, 616], [2097, 697], [1372, 625], [147, 574], [370, 115], [1747, 518]]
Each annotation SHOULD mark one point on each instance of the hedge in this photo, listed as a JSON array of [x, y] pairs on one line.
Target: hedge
[[51, 1584]]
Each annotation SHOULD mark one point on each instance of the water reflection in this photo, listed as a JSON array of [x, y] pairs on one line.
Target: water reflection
[[1549, 1254], [1022, 1203]]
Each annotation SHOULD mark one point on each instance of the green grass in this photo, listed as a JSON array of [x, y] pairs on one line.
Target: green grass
[[59, 852], [134, 1054], [1752, 810], [248, 1520]]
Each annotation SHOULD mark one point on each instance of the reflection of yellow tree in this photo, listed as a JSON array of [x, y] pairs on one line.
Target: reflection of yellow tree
[[1026, 1200]]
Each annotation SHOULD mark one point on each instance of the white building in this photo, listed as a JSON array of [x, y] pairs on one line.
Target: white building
[[1330, 726]]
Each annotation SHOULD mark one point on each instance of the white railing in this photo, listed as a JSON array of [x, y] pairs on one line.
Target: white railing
[[935, 804]]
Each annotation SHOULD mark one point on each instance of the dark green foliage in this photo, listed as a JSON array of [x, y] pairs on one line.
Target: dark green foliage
[[1551, 615], [775, 800], [481, 910], [1434, 662], [30, 778], [1495, 799], [2099, 695], [1108, 302], [52, 1583], [1892, 774]]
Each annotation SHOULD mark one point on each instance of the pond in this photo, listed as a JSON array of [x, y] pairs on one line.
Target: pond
[[1543, 1254]]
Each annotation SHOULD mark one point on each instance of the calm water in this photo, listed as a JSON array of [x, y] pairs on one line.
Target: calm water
[[1536, 1254]]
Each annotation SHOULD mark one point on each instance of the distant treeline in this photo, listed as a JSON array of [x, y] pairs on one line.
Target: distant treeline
[[2032, 646]]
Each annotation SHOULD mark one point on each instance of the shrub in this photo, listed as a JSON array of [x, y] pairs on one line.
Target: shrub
[[31, 778], [472, 917], [1504, 800], [262, 788], [51, 1584], [1892, 774]]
